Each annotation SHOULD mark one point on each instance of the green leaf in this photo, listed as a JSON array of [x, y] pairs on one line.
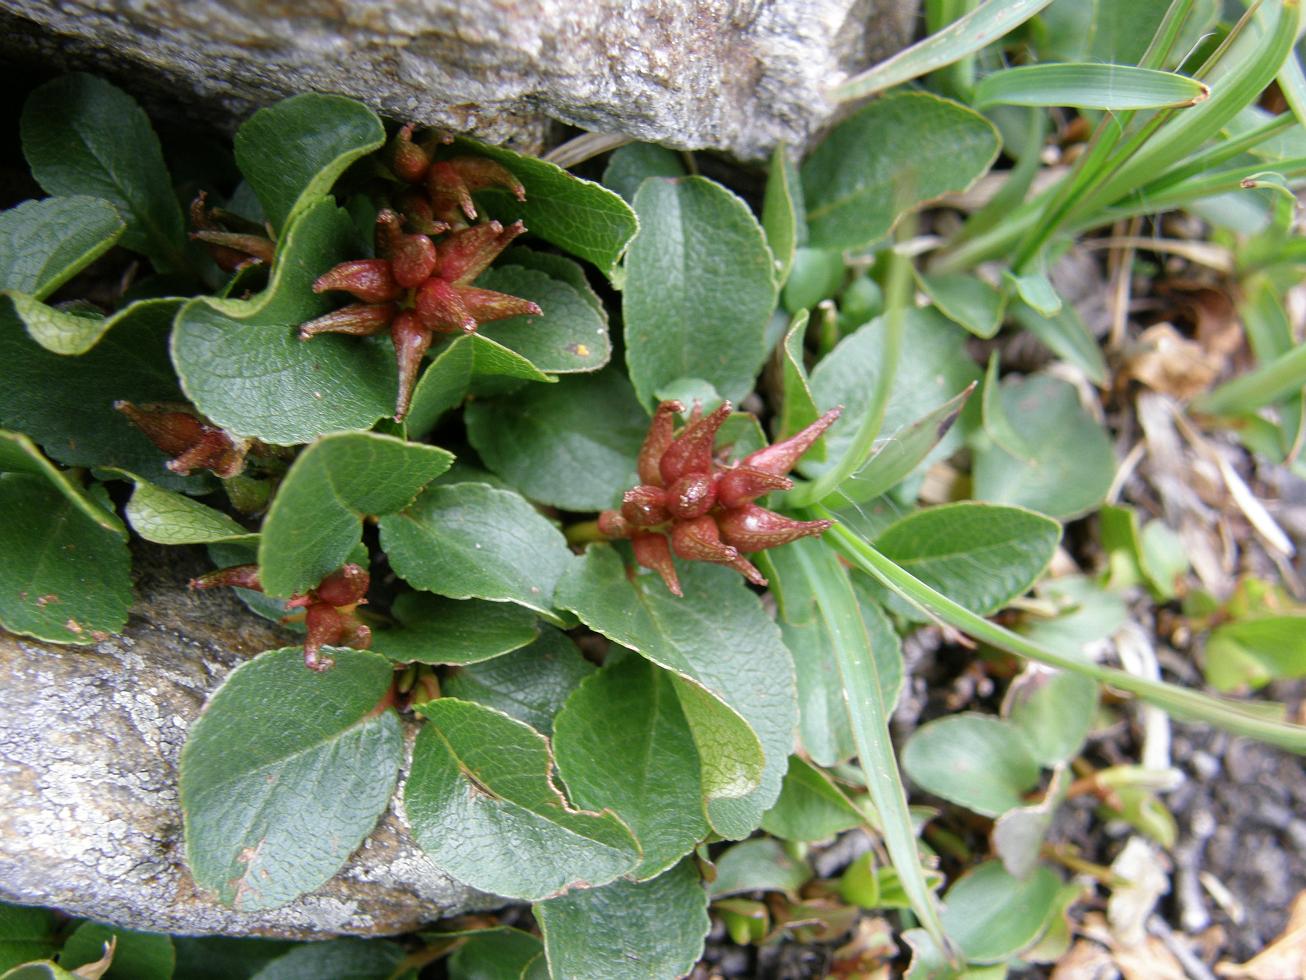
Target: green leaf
[[316, 518], [354, 959], [448, 379], [1086, 614], [26, 934], [976, 761], [66, 403], [571, 336], [165, 517], [221, 958], [992, 915], [622, 741], [531, 684], [436, 630], [285, 773], [579, 216], [814, 275], [628, 931], [1248, 654], [83, 136], [758, 865], [494, 954], [1064, 463], [1036, 290], [901, 453], [292, 152], [935, 371], [887, 159], [137, 955], [980, 555], [734, 675], [572, 445], [76, 331], [471, 541], [43, 244], [556, 267], [630, 165], [1088, 86], [18, 454], [242, 362], [782, 211], [1018, 834], [43, 970], [810, 808], [824, 730], [699, 289], [65, 578], [964, 36], [1054, 710], [798, 407], [966, 300], [483, 808], [1063, 333]]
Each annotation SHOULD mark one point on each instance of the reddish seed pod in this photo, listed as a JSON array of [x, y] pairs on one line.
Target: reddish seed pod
[[745, 484], [408, 160], [411, 341], [326, 627], [613, 525], [413, 260], [753, 528], [240, 576], [645, 506], [465, 254], [356, 320], [699, 540], [370, 280], [652, 551], [781, 457], [691, 496], [344, 587], [661, 432], [691, 451], [440, 308]]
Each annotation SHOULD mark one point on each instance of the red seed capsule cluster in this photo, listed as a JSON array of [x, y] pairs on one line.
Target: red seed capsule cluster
[[329, 609], [693, 506], [420, 287]]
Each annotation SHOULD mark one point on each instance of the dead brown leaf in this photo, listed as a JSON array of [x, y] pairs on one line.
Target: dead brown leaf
[[1168, 362], [1283, 959]]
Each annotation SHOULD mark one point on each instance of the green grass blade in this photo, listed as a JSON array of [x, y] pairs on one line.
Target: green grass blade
[[1257, 388], [1089, 86], [962, 37], [869, 715], [1231, 716]]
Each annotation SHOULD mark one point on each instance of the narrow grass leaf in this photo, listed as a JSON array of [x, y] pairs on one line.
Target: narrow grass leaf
[[1089, 86]]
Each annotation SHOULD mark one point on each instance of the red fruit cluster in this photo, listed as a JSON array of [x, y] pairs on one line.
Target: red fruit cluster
[[691, 504], [419, 287], [193, 443], [329, 609]]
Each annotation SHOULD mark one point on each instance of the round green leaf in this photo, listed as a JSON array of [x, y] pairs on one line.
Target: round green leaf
[[628, 930], [26, 934], [446, 382], [758, 865], [285, 773], [1063, 465], [622, 741], [886, 160], [471, 541], [44, 243], [734, 676], [585, 218], [810, 807], [293, 151], [165, 517], [64, 577], [484, 809], [572, 444], [494, 954], [699, 289], [979, 555], [531, 684], [244, 366], [993, 916], [1054, 710], [976, 761], [630, 165], [316, 518], [966, 300], [82, 135], [436, 630], [571, 336], [354, 959]]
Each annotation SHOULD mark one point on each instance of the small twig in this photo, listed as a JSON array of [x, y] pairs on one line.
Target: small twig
[[583, 147], [1193, 966]]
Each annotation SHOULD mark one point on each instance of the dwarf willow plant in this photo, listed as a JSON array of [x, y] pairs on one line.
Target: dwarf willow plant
[[230, 399]]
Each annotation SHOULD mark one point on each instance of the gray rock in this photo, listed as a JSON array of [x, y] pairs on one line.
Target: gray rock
[[89, 742], [733, 75]]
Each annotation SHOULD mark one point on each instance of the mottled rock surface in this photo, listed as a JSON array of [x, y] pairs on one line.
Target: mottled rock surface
[[733, 75], [89, 742]]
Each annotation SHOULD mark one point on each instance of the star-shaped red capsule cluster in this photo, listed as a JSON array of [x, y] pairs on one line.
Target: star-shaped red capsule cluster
[[329, 609], [691, 504], [420, 287]]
